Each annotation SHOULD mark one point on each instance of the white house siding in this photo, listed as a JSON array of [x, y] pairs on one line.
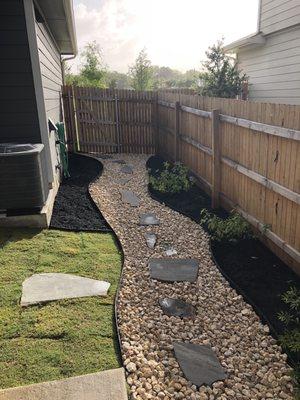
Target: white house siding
[[51, 72], [278, 14], [274, 68]]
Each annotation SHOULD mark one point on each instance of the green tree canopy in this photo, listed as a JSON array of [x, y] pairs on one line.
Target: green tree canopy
[[221, 76], [141, 73], [92, 71]]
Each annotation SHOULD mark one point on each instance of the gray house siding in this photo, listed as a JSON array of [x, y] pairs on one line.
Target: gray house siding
[[51, 73], [274, 68], [276, 15], [18, 109]]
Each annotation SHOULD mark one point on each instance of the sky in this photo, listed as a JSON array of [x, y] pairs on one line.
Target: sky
[[175, 33]]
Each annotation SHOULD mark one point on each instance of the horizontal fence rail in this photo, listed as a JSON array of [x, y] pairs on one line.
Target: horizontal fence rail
[[245, 154]]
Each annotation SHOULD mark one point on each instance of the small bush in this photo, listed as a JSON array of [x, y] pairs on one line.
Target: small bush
[[231, 229], [173, 179], [290, 339]]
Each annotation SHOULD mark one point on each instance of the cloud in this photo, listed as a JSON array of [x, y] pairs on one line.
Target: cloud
[[175, 33]]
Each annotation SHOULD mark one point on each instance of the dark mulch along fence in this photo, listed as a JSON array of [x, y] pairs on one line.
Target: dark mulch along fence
[[73, 208], [250, 267]]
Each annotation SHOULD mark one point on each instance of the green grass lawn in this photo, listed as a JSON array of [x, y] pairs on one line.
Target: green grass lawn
[[61, 338]]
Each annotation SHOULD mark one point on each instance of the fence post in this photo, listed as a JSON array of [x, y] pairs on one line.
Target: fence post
[[156, 122], [176, 130], [216, 159], [117, 122]]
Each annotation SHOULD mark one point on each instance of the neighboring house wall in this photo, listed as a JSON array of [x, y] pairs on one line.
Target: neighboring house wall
[[18, 109], [51, 73], [276, 15], [274, 68]]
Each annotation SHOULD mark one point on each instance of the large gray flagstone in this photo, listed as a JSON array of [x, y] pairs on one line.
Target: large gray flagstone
[[173, 270], [127, 169], [40, 288], [199, 363], [150, 240], [130, 197], [148, 219], [177, 308]]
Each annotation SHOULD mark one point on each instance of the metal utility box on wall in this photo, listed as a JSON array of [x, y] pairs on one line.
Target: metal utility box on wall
[[22, 182]]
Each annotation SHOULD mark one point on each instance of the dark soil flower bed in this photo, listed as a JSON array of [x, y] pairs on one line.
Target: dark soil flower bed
[[73, 208], [250, 267]]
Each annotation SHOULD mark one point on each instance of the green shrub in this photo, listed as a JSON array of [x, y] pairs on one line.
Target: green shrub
[[173, 179], [290, 339], [232, 229]]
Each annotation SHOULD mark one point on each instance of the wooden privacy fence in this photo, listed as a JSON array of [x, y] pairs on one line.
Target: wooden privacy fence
[[110, 121], [246, 155]]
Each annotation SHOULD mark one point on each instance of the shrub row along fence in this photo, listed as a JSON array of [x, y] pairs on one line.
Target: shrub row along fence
[[245, 154]]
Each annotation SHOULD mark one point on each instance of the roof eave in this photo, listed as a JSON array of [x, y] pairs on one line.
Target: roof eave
[[254, 40], [68, 7]]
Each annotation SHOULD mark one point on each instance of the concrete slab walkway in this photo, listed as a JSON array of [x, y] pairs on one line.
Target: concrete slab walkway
[[106, 385]]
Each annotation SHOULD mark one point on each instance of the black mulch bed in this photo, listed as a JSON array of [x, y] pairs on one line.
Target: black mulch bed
[[250, 267], [73, 208]]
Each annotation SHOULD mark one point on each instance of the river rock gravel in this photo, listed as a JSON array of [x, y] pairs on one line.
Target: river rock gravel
[[255, 365]]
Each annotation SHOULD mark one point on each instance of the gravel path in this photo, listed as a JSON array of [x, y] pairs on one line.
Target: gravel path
[[254, 363]]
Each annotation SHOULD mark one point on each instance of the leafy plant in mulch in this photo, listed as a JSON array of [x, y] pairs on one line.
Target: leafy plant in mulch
[[174, 178], [231, 229], [290, 339]]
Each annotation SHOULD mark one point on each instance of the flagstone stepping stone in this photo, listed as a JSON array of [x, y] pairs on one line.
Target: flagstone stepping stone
[[119, 161], [150, 240], [127, 169], [40, 288], [173, 270], [148, 219], [199, 363], [123, 181], [170, 251], [130, 197], [177, 308]]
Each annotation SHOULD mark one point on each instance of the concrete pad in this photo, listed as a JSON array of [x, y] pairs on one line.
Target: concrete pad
[[177, 308], [45, 287], [130, 197], [148, 219], [106, 385], [150, 240], [173, 270], [127, 169], [199, 363]]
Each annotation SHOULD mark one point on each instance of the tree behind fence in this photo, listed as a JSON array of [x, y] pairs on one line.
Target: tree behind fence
[[252, 167]]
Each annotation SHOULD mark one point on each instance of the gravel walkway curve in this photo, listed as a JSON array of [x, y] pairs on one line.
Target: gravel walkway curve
[[255, 365]]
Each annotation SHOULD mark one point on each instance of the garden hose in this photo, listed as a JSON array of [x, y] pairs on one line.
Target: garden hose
[[63, 149]]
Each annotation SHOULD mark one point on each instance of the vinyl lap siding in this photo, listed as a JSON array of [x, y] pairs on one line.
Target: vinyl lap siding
[[274, 69], [51, 74], [18, 110], [279, 14]]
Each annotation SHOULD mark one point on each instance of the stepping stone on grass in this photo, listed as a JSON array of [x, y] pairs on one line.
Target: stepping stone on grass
[[199, 363], [150, 240], [148, 219], [177, 308], [173, 270], [40, 288], [129, 197], [127, 169]]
